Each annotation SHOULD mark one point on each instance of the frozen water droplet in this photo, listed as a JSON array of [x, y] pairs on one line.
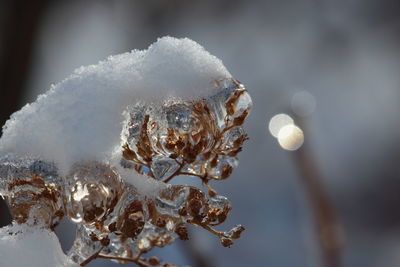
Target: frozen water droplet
[[218, 208], [153, 236], [134, 124], [171, 199], [235, 232], [243, 103], [118, 247], [179, 117], [32, 189], [13, 167], [219, 202], [170, 225], [233, 136], [127, 218], [83, 246], [93, 188], [144, 244], [216, 104], [223, 168], [163, 167]]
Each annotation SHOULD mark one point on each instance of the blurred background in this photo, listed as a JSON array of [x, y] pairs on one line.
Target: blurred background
[[340, 58]]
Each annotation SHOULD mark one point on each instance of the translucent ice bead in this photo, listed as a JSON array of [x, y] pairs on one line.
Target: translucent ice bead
[[84, 246], [13, 167], [93, 190], [127, 218], [217, 209], [32, 190]]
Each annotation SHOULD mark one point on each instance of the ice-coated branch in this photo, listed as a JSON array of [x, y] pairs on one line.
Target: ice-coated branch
[[101, 147]]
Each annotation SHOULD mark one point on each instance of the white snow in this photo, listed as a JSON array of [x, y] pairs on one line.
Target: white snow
[[81, 117], [22, 245], [147, 187]]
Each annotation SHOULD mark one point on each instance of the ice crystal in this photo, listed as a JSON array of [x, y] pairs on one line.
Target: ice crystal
[[199, 137]]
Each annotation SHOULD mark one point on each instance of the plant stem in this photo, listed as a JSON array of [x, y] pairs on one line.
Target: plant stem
[[93, 257], [199, 259], [326, 220], [177, 172], [134, 260]]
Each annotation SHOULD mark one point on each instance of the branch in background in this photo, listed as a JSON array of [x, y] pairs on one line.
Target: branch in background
[[18, 34], [196, 256], [326, 219]]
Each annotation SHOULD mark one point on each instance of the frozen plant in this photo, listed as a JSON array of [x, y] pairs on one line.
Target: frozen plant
[[101, 147]]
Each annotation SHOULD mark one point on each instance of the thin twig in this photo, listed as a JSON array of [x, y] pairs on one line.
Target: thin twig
[[202, 176], [134, 260], [93, 257], [206, 227], [177, 172]]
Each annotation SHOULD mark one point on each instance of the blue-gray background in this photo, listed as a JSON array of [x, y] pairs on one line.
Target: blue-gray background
[[345, 53]]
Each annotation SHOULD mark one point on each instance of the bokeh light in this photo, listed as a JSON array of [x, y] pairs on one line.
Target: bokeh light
[[303, 103], [277, 122], [290, 137]]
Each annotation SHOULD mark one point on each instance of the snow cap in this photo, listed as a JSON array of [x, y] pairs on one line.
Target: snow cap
[[81, 117]]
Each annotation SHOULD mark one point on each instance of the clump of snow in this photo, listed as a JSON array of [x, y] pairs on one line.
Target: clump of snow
[[21, 246], [81, 117], [148, 188]]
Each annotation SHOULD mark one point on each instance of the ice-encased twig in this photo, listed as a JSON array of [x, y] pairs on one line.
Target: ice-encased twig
[[115, 185]]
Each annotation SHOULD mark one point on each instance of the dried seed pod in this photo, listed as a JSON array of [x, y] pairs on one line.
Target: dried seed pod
[[127, 218], [154, 261], [181, 231], [217, 210], [235, 232], [200, 138], [130, 223], [94, 190], [226, 242], [188, 137]]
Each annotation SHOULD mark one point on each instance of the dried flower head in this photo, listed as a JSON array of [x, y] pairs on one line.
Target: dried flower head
[[200, 138]]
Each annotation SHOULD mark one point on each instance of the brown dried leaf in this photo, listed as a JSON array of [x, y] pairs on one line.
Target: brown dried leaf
[[226, 171], [240, 119]]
